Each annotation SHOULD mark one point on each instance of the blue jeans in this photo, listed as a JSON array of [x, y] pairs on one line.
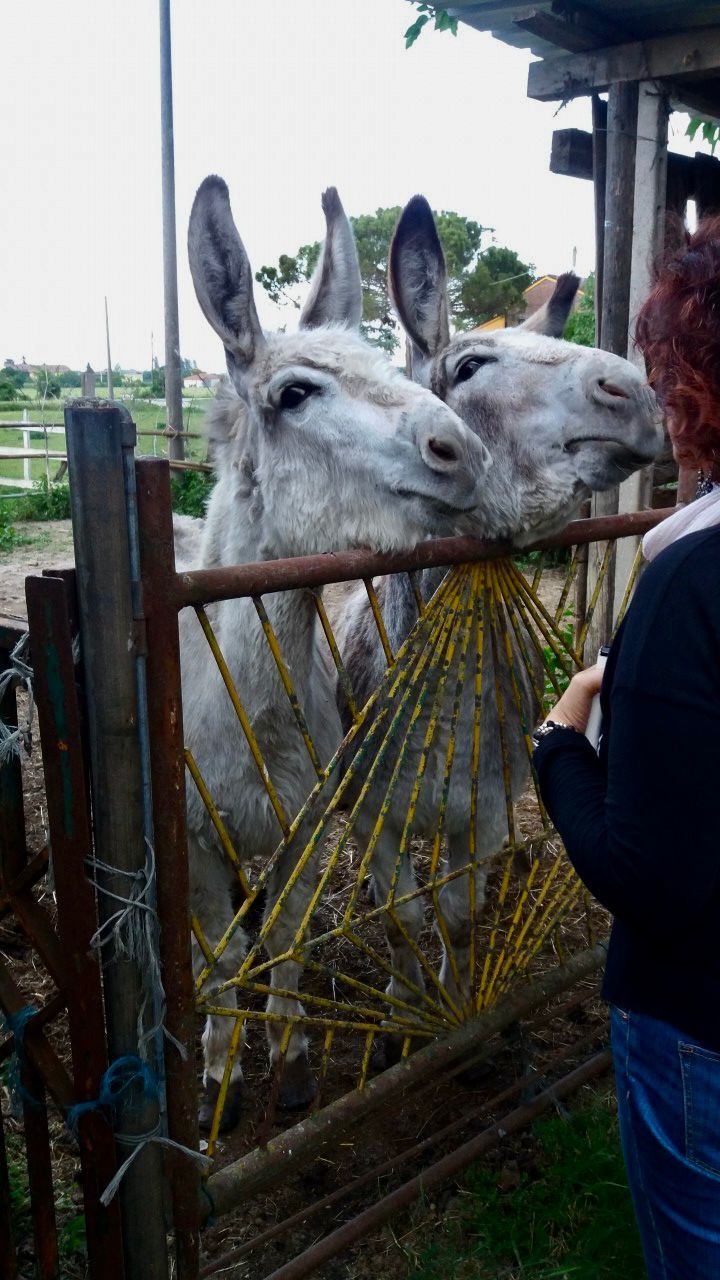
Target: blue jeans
[[668, 1092]]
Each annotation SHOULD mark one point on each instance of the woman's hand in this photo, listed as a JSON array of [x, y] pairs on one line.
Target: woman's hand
[[574, 706]]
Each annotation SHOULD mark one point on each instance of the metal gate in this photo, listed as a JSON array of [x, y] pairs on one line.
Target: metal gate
[[116, 769]]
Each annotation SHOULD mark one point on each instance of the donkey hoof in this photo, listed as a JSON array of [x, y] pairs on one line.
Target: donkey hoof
[[297, 1087], [231, 1111], [386, 1052]]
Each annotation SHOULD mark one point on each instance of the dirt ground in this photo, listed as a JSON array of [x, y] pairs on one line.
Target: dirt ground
[[49, 546], [384, 1254]]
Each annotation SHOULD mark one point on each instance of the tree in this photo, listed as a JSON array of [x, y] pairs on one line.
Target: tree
[[18, 377], [8, 389], [70, 379], [48, 384], [580, 327], [476, 278]]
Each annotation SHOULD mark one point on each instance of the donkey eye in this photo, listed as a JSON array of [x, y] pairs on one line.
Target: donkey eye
[[296, 393], [471, 366]]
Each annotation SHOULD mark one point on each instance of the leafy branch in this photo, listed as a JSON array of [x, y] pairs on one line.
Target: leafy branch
[[443, 22], [710, 130]]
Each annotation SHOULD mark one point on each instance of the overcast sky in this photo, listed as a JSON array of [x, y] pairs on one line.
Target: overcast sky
[[281, 97]]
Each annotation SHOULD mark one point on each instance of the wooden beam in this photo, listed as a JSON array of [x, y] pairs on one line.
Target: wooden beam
[[571, 153], [599, 170], [575, 30], [617, 256], [648, 238], [689, 54]]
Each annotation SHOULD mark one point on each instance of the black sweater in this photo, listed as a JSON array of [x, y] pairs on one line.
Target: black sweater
[[641, 822]]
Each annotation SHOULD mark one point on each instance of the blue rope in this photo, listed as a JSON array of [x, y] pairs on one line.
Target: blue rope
[[120, 1076], [16, 1024]]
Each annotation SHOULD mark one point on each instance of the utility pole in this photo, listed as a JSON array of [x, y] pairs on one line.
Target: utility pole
[[111, 394], [173, 377]]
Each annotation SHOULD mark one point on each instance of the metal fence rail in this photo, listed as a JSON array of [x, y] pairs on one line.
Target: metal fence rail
[[498, 625]]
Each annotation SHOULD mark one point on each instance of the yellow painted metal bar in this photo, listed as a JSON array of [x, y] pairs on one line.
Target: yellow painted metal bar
[[632, 579], [202, 941], [570, 577], [310, 998], [217, 822], [379, 621], [288, 686], [301, 1020], [602, 574], [343, 676], [414, 649], [366, 988], [538, 572], [243, 718], [474, 603], [224, 1085], [545, 623], [425, 965], [365, 1065]]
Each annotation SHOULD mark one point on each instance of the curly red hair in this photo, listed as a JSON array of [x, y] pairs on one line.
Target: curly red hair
[[678, 331]]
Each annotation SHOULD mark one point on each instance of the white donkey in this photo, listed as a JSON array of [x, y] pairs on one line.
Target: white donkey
[[559, 421], [320, 445]]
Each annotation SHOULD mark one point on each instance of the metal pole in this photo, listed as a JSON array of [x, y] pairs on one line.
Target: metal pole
[[111, 395], [97, 433], [173, 377]]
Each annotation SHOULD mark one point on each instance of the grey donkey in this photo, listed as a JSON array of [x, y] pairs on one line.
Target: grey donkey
[[320, 444], [559, 421]]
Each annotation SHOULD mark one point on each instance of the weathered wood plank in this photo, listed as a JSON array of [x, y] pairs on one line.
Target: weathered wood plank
[[689, 54]]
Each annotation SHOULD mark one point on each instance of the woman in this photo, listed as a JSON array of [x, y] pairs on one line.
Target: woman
[[641, 821]]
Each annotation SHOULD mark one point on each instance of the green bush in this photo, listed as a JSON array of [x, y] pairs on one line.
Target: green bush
[[9, 536], [43, 502], [190, 492]]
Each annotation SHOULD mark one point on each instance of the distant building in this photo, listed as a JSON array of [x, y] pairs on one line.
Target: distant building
[[536, 295], [199, 379]]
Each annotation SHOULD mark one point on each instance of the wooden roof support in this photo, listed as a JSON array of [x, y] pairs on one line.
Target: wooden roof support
[[578, 31], [694, 53]]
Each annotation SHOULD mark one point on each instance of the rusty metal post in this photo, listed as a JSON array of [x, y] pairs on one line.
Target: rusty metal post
[[40, 1179], [157, 555], [8, 1256], [448, 1167], [97, 433], [70, 836]]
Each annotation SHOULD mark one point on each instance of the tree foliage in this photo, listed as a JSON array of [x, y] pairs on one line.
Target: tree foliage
[[580, 327], [48, 384], [443, 22], [482, 282], [709, 130]]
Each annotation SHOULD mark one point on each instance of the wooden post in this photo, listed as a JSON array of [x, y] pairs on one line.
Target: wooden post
[[97, 433], [648, 235], [617, 258], [599, 166]]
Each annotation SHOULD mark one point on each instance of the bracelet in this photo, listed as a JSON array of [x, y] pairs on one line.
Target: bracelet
[[547, 727]]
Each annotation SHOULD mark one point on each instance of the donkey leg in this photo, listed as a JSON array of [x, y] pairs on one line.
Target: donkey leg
[[401, 920], [212, 904], [297, 1085], [455, 909]]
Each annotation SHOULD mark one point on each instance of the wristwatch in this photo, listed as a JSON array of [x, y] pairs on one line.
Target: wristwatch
[[547, 727]]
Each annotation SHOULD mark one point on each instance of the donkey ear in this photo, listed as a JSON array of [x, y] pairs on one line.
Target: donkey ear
[[417, 280], [552, 317], [221, 273], [336, 288]]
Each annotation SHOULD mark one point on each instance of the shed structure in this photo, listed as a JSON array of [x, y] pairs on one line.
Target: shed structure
[[649, 57]]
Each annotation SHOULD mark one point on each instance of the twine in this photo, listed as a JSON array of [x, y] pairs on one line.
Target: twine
[[132, 930], [12, 739], [122, 1075], [16, 1023]]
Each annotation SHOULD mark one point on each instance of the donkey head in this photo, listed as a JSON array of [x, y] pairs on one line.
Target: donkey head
[[332, 447], [560, 420]]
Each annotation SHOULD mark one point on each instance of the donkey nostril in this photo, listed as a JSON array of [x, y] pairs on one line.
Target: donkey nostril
[[612, 389], [441, 450]]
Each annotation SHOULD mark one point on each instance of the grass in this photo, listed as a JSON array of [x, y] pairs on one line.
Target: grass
[[72, 1247], [569, 1216], [147, 417]]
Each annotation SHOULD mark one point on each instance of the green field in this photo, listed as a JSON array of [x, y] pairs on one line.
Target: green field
[[147, 417]]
